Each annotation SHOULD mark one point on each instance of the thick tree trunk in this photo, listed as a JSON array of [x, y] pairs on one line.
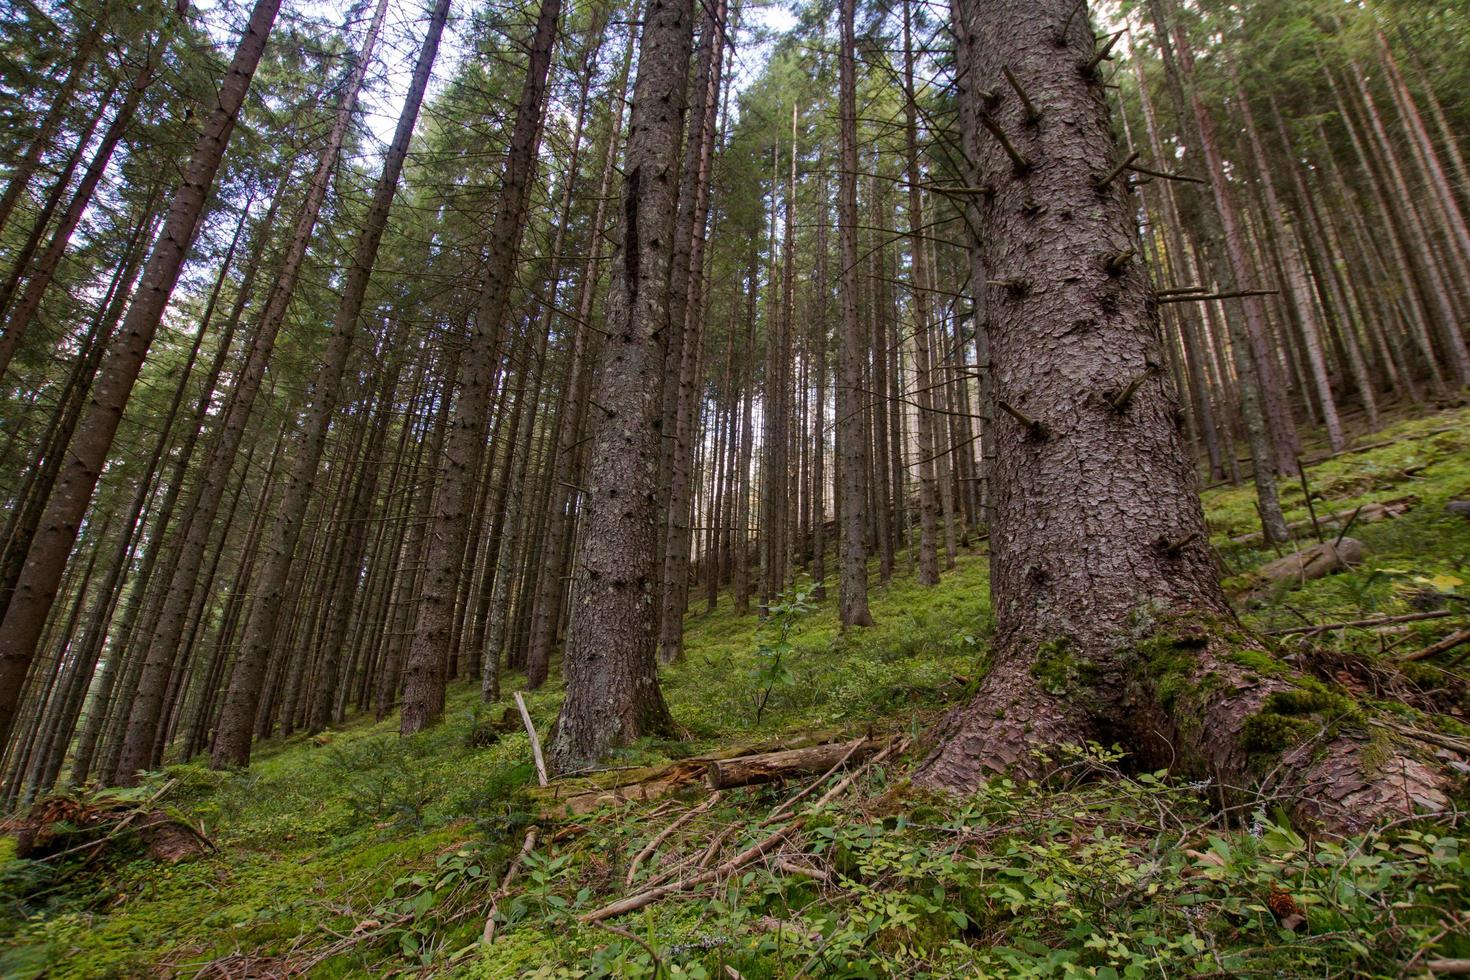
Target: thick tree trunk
[[610, 666], [1110, 622], [551, 584], [36, 591], [165, 644]]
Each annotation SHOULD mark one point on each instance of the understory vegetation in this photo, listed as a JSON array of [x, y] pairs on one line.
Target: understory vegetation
[[356, 852]]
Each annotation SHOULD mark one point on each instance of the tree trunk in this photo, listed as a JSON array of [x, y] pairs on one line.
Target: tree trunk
[[551, 584], [46, 266], [853, 582], [610, 666], [1110, 621], [164, 644], [232, 738], [64, 102]]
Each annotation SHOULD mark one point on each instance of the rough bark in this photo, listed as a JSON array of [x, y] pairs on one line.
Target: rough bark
[[551, 585], [424, 674], [853, 581], [610, 666], [232, 739], [1110, 622]]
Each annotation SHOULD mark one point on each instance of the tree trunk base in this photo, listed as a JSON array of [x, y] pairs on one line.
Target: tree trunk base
[[1205, 702]]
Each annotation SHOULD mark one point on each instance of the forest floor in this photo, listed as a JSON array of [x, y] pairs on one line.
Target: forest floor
[[356, 853]]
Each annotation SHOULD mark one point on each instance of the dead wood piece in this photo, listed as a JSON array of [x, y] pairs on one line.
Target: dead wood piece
[[587, 792], [803, 870], [1367, 514], [1443, 646], [773, 766], [896, 746], [664, 835], [1303, 566], [535, 739], [634, 902], [528, 845], [1373, 622]]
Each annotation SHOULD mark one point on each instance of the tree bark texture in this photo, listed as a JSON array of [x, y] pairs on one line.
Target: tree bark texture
[[610, 666], [1110, 621]]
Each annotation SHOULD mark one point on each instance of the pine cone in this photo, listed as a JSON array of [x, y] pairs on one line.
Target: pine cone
[[1285, 908]]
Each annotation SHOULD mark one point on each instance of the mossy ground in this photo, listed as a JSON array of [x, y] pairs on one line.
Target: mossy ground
[[357, 853]]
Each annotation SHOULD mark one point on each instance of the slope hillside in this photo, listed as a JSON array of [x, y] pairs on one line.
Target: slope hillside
[[359, 853]]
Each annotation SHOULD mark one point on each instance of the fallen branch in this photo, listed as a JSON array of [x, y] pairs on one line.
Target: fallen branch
[[1366, 514], [841, 787], [605, 787], [1310, 630], [785, 807], [1433, 738], [634, 902], [749, 769], [804, 870], [664, 835], [488, 936], [1204, 297], [1444, 645], [658, 964], [1306, 565], [1247, 474]]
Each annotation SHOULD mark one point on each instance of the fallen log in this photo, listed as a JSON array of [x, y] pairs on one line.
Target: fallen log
[[1303, 566], [773, 766], [571, 796], [1367, 514]]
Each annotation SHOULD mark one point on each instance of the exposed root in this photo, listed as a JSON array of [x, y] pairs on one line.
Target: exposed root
[[1208, 704], [1005, 728]]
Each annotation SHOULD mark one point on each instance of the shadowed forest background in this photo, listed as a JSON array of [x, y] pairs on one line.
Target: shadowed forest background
[[718, 490]]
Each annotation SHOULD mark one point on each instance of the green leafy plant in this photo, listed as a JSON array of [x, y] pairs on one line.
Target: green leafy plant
[[773, 641]]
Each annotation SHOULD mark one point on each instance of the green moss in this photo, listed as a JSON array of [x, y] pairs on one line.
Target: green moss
[[1259, 661], [1312, 698], [1059, 669], [1167, 663], [1287, 718], [1271, 733]]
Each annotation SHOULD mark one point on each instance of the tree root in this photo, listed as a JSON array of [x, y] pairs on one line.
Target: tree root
[[1208, 705]]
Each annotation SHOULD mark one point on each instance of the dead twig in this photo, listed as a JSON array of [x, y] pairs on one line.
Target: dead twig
[[664, 835], [634, 902], [535, 740], [488, 936], [1443, 646], [1306, 631]]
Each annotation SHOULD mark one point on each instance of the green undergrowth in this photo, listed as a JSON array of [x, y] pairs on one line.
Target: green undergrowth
[[357, 853]]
